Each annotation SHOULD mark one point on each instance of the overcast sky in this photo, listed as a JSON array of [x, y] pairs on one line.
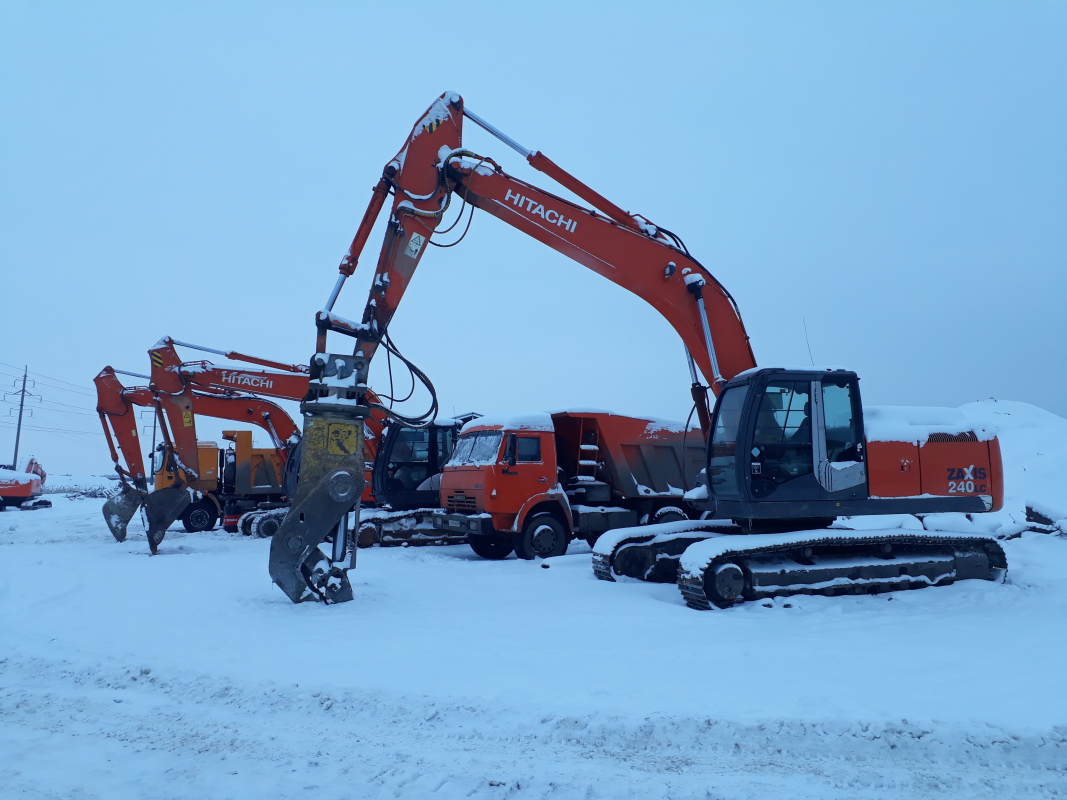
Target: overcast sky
[[891, 175]]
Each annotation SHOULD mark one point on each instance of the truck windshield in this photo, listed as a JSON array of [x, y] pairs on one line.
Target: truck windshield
[[477, 448]]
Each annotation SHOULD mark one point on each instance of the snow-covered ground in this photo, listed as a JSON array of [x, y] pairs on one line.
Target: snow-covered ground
[[188, 675]]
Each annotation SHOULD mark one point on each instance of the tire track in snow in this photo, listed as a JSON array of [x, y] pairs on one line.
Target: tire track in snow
[[212, 736]]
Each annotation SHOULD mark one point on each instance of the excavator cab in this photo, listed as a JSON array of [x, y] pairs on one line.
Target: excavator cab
[[791, 446], [787, 444], [407, 467]]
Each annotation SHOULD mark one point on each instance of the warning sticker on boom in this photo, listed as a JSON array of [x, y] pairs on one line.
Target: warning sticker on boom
[[187, 419], [342, 440], [415, 244]]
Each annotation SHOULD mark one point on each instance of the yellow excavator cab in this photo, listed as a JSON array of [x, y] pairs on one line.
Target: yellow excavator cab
[[257, 470], [208, 456]]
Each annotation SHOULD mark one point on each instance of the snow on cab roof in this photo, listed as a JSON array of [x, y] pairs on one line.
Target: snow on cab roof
[[532, 421], [11, 476]]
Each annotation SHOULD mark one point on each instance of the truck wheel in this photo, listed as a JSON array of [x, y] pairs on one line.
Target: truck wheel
[[200, 516], [492, 549], [668, 514], [542, 537]]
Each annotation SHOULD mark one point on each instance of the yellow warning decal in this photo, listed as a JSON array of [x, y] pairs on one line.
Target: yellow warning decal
[[342, 439], [157, 360], [187, 419]]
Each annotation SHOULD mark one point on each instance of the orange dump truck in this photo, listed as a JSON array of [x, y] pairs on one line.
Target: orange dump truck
[[533, 483]]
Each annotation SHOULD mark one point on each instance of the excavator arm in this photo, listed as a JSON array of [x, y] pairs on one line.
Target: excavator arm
[[433, 170], [114, 403]]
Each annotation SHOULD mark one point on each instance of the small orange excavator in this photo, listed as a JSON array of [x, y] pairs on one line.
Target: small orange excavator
[[788, 449], [239, 476], [22, 489]]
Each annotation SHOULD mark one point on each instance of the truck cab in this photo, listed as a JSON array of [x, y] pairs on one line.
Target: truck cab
[[532, 483]]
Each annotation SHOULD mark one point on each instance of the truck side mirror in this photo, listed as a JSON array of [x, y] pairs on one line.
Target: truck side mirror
[[509, 450]]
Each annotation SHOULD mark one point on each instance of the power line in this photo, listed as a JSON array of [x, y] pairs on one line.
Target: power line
[[68, 405], [79, 390], [41, 374], [63, 388], [10, 425], [82, 411]]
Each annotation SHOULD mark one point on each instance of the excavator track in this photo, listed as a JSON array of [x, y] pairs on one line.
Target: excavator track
[[602, 567], [650, 553], [724, 571], [404, 529]]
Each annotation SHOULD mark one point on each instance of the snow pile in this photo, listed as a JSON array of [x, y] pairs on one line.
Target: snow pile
[[1033, 444]]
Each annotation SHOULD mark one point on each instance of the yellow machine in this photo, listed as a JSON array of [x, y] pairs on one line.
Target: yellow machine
[[240, 475]]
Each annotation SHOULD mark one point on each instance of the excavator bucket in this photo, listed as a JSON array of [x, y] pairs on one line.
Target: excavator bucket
[[331, 481], [331, 478], [163, 507], [119, 510]]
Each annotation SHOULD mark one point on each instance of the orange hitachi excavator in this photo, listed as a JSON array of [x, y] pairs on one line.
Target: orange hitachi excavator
[[242, 476], [788, 449]]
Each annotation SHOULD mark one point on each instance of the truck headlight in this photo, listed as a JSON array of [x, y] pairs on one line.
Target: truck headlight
[[475, 524], [439, 522]]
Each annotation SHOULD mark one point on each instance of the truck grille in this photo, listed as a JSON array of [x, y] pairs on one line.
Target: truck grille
[[461, 504]]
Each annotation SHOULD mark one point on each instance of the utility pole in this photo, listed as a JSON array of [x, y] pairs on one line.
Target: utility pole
[[18, 428]]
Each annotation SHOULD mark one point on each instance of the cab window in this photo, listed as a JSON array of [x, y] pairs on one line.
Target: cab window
[[528, 448], [782, 436], [407, 467], [842, 430], [722, 456]]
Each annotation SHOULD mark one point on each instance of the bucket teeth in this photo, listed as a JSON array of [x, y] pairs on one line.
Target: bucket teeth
[[162, 508], [120, 509]]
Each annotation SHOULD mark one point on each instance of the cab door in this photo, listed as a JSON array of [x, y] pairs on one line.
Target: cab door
[[781, 464], [527, 467], [840, 457]]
